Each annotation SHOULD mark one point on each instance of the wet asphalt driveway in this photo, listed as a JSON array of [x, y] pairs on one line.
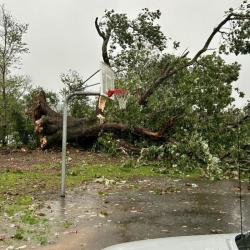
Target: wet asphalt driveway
[[106, 213]]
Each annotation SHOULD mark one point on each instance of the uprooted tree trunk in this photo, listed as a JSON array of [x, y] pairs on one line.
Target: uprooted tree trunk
[[48, 126]]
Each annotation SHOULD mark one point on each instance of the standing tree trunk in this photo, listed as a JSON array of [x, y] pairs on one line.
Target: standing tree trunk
[[3, 74], [4, 126]]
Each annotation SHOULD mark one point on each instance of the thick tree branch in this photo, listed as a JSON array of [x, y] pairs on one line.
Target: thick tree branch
[[100, 33], [209, 40], [85, 136], [172, 70], [105, 38], [168, 72], [48, 126]]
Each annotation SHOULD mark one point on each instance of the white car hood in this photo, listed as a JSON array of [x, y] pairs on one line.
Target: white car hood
[[202, 242]]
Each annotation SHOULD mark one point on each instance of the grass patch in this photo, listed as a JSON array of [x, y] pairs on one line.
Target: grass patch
[[19, 183], [42, 239], [67, 224], [20, 203], [86, 173], [19, 235], [30, 218], [15, 183]]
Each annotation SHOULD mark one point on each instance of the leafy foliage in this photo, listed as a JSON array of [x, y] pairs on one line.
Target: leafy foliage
[[80, 106], [236, 38], [106, 143], [127, 37], [197, 95]]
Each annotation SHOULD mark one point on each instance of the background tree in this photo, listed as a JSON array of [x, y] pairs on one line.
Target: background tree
[[80, 106], [11, 48]]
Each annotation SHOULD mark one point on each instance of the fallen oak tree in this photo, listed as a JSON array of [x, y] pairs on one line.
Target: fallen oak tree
[[48, 123], [48, 126]]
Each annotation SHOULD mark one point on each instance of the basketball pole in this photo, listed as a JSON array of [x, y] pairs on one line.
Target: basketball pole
[[64, 135], [108, 74]]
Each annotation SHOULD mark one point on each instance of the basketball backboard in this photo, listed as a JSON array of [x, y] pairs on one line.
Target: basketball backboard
[[107, 80]]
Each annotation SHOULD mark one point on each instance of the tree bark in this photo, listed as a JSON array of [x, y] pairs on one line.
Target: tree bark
[[48, 126], [105, 37]]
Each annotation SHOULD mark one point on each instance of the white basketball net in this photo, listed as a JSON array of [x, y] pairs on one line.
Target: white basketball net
[[122, 100]]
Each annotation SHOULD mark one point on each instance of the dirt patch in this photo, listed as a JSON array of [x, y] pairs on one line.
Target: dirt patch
[[25, 159]]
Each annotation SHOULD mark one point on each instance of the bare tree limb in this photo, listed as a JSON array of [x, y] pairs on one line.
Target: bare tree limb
[[100, 33], [105, 38], [209, 40], [168, 72]]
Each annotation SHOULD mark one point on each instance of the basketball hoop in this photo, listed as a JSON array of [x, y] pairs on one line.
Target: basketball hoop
[[108, 91], [121, 96]]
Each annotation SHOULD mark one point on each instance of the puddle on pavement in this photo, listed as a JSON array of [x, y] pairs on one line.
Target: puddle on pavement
[[133, 214]]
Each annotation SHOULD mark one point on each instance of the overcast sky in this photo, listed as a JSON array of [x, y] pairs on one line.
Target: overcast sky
[[62, 34]]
